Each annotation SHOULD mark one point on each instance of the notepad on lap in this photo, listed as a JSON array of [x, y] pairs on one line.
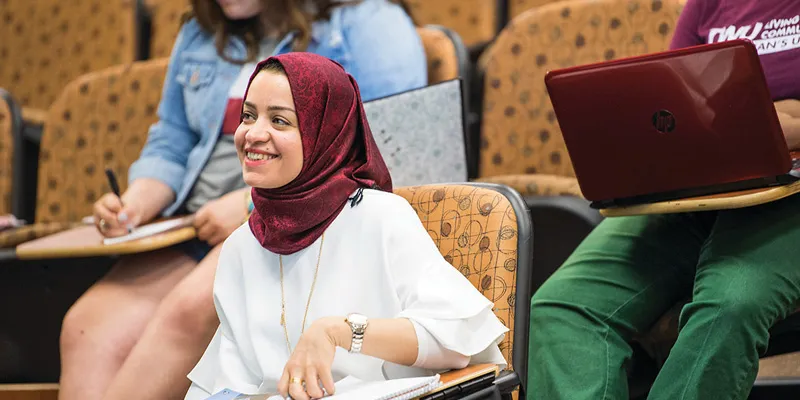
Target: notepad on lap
[[152, 229]]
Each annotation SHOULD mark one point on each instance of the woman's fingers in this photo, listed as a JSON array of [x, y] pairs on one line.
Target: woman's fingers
[[205, 232], [326, 378], [283, 384], [312, 383], [105, 216], [297, 389]]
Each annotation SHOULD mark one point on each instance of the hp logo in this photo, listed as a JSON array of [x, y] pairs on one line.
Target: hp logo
[[664, 121]]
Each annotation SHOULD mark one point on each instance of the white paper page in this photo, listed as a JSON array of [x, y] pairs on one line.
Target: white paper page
[[151, 229]]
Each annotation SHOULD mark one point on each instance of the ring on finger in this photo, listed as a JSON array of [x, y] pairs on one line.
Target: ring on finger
[[297, 381], [102, 224]]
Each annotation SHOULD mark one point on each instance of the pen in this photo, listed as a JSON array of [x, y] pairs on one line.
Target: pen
[[112, 181]]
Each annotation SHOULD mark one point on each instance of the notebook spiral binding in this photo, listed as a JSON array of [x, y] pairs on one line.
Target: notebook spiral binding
[[414, 392]]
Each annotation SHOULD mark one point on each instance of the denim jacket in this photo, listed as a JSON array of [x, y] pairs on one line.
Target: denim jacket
[[375, 41]]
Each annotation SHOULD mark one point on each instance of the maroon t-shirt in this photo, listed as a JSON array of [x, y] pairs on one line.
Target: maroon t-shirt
[[772, 25]]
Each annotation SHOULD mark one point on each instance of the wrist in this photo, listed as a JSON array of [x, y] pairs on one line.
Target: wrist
[[339, 332]]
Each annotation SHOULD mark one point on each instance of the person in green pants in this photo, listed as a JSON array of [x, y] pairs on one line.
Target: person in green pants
[[741, 268]]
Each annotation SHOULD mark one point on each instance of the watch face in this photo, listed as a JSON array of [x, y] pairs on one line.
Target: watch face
[[357, 319]]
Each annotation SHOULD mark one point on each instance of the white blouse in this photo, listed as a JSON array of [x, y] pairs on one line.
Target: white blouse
[[377, 260]]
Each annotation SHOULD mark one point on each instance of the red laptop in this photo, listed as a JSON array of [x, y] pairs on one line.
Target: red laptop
[[671, 125]]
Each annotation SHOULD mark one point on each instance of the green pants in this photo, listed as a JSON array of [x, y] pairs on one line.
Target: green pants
[[741, 269]]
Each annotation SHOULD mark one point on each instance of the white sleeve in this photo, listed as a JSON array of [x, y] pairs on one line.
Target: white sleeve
[[433, 356], [222, 366], [437, 297]]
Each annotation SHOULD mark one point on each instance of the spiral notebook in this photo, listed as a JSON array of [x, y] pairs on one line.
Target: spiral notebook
[[396, 389], [354, 389], [468, 380]]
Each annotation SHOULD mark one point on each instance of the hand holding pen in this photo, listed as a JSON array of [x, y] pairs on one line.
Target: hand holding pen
[[111, 216]]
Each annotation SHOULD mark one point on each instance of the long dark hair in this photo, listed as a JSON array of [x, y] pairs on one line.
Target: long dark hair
[[283, 16]]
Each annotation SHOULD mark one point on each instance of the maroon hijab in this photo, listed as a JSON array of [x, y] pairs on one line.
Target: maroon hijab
[[339, 156]]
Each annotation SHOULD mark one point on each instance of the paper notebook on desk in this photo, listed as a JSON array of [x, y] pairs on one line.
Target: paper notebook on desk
[[152, 229], [466, 380], [354, 389], [396, 389]]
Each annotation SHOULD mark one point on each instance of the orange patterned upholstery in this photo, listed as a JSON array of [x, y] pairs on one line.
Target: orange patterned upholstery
[[476, 230], [165, 22], [442, 54], [539, 184], [103, 118], [517, 7], [519, 131], [7, 127], [474, 20], [55, 41]]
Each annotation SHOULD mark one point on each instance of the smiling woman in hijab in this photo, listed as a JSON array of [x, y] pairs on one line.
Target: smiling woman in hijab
[[333, 275]]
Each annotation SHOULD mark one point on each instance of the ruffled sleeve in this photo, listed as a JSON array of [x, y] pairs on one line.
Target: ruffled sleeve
[[437, 297]]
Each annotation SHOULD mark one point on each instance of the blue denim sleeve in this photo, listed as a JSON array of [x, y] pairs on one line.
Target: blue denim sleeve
[[385, 53], [169, 140]]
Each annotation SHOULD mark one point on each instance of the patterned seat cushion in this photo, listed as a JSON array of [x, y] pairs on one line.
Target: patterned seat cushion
[[6, 153], [441, 54], [91, 35], [474, 20], [476, 231], [538, 184], [165, 22], [519, 131], [103, 118], [517, 7]]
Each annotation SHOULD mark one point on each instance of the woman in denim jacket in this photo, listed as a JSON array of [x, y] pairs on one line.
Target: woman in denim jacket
[[149, 319]]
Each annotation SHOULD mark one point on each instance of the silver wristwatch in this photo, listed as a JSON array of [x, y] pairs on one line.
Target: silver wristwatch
[[358, 324]]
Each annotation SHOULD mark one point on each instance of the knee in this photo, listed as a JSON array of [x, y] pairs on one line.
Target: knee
[[78, 321], [737, 309], [741, 310], [553, 308], [188, 312], [86, 327]]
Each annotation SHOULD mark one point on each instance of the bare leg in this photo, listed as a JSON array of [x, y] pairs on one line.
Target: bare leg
[[173, 341], [102, 327]]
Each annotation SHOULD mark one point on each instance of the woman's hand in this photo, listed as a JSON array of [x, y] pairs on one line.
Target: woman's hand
[[112, 219], [309, 367], [217, 219], [143, 200]]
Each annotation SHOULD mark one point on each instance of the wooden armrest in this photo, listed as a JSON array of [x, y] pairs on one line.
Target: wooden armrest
[[15, 236], [722, 201], [35, 116], [34, 391], [456, 376], [86, 241]]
